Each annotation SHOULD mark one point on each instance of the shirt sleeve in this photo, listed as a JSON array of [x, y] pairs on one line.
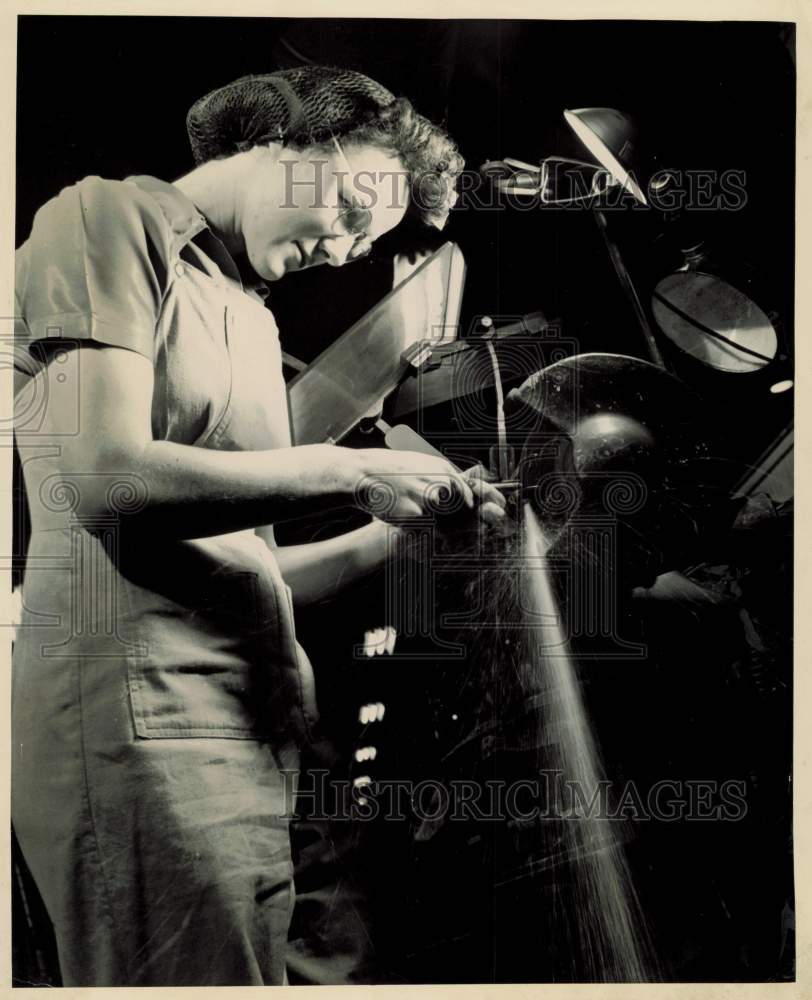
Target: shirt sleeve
[[95, 267]]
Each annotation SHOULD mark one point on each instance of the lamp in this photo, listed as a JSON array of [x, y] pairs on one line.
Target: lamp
[[702, 314], [612, 138]]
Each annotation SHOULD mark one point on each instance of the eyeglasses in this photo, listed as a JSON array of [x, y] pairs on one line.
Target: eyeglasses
[[353, 219]]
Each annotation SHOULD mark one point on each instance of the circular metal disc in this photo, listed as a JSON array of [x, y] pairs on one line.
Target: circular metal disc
[[694, 299]]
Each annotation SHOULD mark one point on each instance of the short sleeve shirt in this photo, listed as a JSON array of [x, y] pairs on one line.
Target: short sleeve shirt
[[204, 626]]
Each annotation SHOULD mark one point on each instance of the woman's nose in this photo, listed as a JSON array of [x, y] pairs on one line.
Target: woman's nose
[[337, 249]]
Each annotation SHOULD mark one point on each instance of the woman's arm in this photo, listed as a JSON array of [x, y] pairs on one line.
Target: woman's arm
[[191, 492], [320, 570], [317, 571]]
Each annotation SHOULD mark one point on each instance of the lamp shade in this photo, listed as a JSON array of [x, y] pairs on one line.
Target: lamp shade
[[611, 137]]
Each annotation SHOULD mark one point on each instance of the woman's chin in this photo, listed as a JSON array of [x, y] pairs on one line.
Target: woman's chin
[[254, 269], [270, 269]]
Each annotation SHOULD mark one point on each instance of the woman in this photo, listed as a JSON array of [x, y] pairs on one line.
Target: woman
[[160, 696]]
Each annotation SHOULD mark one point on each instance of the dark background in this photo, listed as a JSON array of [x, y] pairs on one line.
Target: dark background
[[108, 96]]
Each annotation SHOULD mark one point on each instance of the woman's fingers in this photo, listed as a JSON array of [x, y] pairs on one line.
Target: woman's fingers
[[490, 494], [410, 508], [491, 502], [464, 488], [479, 472], [483, 490], [448, 477], [416, 476], [492, 513]]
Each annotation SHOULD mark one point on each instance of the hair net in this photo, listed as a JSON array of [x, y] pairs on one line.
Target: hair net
[[305, 105]]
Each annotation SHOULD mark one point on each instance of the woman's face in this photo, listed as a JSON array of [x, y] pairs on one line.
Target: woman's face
[[289, 208]]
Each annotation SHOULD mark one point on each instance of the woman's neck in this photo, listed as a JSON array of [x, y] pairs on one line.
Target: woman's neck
[[214, 187]]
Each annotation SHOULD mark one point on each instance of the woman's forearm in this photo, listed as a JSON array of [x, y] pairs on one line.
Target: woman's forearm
[[174, 489], [317, 571], [187, 492]]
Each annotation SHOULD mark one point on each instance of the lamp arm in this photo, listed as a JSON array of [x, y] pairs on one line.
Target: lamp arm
[[631, 293]]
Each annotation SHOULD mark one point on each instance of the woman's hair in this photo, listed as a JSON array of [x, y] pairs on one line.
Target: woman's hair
[[311, 105]]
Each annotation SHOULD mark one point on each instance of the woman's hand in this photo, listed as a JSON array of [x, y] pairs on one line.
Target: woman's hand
[[397, 485], [491, 503], [183, 491]]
